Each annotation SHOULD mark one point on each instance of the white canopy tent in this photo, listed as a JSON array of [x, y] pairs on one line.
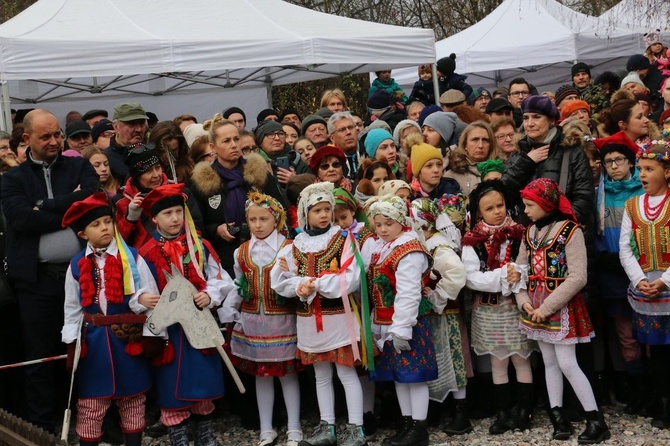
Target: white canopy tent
[[639, 16], [536, 39], [171, 50]]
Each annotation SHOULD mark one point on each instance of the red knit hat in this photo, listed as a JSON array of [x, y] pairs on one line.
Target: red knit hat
[[573, 106], [324, 152], [83, 212], [164, 197], [619, 138]]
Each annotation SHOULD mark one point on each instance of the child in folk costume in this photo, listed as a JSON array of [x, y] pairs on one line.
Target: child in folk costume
[[322, 274], [399, 267], [555, 314], [188, 380], [447, 278], [645, 255], [488, 250], [105, 283], [264, 339]]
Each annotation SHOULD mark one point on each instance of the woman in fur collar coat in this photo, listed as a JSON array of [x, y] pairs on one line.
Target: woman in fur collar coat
[[221, 189]]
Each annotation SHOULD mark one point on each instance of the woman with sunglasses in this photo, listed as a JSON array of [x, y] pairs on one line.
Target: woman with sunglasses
[[327, 164], [173, 151]]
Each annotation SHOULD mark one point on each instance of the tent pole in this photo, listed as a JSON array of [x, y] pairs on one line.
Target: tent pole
[[436, 85], [268, 86], [5, 108]]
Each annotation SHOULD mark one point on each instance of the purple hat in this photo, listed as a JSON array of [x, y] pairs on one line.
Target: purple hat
[[427, 111], [380, 99], [541, 105]]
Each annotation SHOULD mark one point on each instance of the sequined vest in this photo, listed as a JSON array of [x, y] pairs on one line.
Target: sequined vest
[[382, 314], [652, 239], [313, 264], [491, 299], [555, 260], [256, 286]]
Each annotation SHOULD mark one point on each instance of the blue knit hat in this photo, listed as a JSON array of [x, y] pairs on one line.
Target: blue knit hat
[[427, 111], [374, 138]]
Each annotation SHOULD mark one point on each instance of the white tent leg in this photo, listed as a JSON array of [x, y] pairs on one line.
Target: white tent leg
[[436, 85], [5, 108]]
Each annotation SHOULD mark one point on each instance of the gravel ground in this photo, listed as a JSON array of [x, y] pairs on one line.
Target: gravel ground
[[625, 429]]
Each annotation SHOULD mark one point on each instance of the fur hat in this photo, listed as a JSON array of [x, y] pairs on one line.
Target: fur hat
[[580, 67], [421, 154], [447, 65], [637, 62], [541, 105], [574, 106], [564, 91]]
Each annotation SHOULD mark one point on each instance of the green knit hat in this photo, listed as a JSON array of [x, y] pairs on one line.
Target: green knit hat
[[488, 166]]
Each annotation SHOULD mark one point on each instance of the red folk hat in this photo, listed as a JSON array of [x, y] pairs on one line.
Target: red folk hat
[[324, 152], [619, 138], [163, 197], [83, 212]]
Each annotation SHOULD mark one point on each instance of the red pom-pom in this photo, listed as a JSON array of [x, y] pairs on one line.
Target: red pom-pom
[[86, 285], [208, 351], [113, 280], [134, 348], [166, 358], [84, 350]]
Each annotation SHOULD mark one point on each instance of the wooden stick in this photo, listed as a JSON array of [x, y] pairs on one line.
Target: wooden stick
[[230, 367], [31, 362]]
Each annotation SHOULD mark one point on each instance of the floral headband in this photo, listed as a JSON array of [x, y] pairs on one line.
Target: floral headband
[[646, 153], [267, 202]]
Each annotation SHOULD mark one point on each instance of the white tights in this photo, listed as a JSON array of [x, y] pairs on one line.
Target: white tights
[[325, 393], [265, 397], [559, 360], [368, 393], [413, 399], [521, 365]]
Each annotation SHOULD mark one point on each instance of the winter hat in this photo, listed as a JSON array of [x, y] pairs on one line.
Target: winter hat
[[374, 138], [390, 188], [541, 105], [564, 91], [163, 197], [312, 119], [477, 93], [574, 106], [637, 62], [444, 123], [379, 100], [265, 127], [193, 132], [452, 97], [290, 111], [229, 111], [633, 77], [421, 154], [100, 127], [324, 152], [447, 65], [140, 158], [311, 196], [498, 104], [427, 111], [652, 37], [400, 127], [546, 193], [580, 67], [619, 148], [265, 113], [324, 112], [83, 212], [617, 139]]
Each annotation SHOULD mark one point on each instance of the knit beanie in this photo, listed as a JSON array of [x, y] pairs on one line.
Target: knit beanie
[[290, 111], [564, 91], [632, 77], [580, 67], [637, 62], [374, 138], [477, 93], [444, 123], [312, 119], [265, 113], [427, 111], [104, 125], [421, 154], [400, 127], [265, 127], [140, 158], [447, 65], [324, 112], [574, 106], [229, 111], [652, 37], [193, 132], [541, 105], [379, 100]]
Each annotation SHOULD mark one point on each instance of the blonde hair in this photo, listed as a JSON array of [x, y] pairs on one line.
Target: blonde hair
[[335, 92], [212, 125], [458, 159], [111, 185]]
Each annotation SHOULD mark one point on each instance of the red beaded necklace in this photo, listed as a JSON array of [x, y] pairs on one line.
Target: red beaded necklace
[[651, 213]]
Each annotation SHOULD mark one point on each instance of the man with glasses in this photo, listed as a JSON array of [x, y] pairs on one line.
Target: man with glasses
[[343, 134], [519, 89], [130, 126], [102, 133]]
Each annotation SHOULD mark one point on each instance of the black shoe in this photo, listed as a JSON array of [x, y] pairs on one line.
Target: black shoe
[[562, 427], [461, 423], [662, 418], [156, 430], [416, 435], [369, 424], [204, 430], [621, 388], [639, 395], [596, 429], [88, 443], [479, 393], [405, 425], [502, 394], [179, 434], [133, 439], [602, 390], [525, 403]]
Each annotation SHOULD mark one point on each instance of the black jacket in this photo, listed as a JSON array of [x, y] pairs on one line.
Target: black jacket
[[446, 186], [117, 164], [22, 188], [423, 92]]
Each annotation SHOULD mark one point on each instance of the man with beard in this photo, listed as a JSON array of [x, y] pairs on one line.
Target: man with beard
[[130, 125]]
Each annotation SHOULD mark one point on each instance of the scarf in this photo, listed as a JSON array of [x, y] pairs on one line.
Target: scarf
[[494, 237], [546, 193], [236, 196], [620, 191]]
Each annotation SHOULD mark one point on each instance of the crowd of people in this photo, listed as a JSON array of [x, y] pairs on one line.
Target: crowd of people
[[428, 246]]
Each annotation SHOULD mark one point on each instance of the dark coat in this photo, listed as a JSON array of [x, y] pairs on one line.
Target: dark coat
[[423, 92], [22, 187], [446, 186], [117, 165], [455, 81]]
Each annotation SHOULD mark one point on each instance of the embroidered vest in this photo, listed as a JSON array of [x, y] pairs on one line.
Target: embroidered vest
[[651, 238], [256, 286], [555, 261], [382, 314], [313, 264], [362, 236], [492, 299]]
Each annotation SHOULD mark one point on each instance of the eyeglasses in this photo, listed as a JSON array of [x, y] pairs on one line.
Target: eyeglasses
[[619, 160], [520, 93], [206, 155], [349, 128], [505, 136], [334, 165], [248, 149], [274, 135], [107, 134]]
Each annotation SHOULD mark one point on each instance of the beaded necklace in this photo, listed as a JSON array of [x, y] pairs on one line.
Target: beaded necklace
[[651, 213], [543, 242]]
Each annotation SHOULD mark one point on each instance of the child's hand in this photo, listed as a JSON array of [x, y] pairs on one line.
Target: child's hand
[[538, 316], [425, 291], [528, 308], [655, 288], [202, 299], [645, 288], [283, 264], [307, 287], [148, 300], [512, 275]]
